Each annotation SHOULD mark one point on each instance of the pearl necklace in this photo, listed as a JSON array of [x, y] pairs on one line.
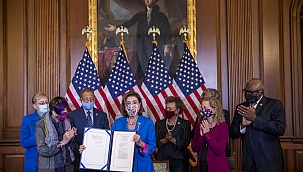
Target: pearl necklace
[[132, 123], [175, 122]]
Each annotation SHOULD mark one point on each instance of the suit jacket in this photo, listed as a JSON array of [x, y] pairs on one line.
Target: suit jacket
[[261, 140], [146, 129], [28, 141], [78, 120], [181, 133], [144, 41]]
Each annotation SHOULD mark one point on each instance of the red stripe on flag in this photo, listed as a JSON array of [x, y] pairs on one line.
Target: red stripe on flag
[[192, 103], [98, 105], [150, 105], [72, 99], [107, 104], [160, 105], [188, 115]]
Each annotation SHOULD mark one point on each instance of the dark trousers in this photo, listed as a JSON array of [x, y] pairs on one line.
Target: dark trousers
[[178, 165], [253, 167]]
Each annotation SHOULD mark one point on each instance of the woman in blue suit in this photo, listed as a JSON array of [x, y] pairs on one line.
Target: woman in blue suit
[[144, 138], [28, 131]]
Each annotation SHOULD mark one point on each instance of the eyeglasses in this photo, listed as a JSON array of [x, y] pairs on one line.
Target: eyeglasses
[[251, 92], [86, 100], [42, 103]]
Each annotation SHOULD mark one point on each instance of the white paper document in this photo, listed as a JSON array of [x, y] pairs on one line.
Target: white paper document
[[122, 152], [95, 156]]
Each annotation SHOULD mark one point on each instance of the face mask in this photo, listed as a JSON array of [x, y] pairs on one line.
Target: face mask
[[88, 105], [250, 98], [169, 113], [205, 113], [43, 108], [62, 116], [132, 110]]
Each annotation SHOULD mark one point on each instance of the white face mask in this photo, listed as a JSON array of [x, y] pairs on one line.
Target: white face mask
[[43, 108]]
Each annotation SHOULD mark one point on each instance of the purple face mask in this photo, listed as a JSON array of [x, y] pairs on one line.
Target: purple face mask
[[205, 113], [62, 116]]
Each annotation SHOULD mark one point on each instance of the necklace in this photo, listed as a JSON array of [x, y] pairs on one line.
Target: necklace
[[173, 124], [132, 123]]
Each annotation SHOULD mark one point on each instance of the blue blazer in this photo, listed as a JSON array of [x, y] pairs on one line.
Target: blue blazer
[[261, 140], [146, 129], [28, 141]]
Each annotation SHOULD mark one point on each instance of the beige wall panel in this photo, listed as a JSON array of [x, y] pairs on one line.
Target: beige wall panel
[[2, 83], [78, 19], [14, 39], [13, 162], [206, 40], [271, 39], [299, 160]]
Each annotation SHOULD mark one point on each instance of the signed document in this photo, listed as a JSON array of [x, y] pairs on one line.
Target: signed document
[[95, 156], [122, 152]]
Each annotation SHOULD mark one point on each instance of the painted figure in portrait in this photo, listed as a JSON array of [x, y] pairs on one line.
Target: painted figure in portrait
[[138, 16]]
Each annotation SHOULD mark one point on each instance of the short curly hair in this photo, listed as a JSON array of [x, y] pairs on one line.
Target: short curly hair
[[216, 105], [177, 100], [38, 96]]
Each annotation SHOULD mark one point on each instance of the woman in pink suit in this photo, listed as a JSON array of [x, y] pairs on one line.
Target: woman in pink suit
[[211, 137]]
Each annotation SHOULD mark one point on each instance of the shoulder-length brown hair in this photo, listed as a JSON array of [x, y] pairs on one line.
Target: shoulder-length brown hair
[[216, 105], [129, 94]]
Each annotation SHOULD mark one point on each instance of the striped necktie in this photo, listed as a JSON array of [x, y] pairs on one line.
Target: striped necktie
[[89, 120], [148, 15]]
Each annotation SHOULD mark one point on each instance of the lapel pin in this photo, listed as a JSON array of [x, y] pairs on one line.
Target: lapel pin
[[178, 123], [96, 114], [261, 104]]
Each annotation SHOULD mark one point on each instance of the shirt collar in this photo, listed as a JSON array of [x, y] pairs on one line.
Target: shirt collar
[[256, 103], [85, 111]]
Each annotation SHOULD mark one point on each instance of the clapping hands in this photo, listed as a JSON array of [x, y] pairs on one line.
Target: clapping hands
[[204, 127]]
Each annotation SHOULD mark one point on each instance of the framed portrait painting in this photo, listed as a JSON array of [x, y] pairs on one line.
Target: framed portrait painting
[[138, 16]]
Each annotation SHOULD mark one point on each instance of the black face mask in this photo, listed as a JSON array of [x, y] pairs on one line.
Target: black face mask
[[250, 98]]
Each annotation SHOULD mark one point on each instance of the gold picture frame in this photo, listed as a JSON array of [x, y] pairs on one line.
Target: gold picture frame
[[92, 42]]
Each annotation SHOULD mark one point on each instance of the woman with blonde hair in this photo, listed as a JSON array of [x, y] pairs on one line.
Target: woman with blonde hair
[[211, 137], [28, 131]]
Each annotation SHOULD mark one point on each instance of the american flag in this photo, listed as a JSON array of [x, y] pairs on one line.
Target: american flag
[[157, 85], [121, 80], [189, 85], [86, 76]]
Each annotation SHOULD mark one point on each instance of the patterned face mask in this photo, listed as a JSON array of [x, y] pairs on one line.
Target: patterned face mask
[[132, 109], [205, 113]]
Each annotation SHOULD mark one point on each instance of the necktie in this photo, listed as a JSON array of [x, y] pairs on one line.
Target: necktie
[[89, 120], [148, 15]]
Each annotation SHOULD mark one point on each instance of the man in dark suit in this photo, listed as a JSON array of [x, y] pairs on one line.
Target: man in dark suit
[[211, 92], [259, 122], [151, 16], [86, 116]]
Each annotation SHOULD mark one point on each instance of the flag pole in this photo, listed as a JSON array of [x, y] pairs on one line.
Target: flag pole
[[185, 31], [88, 31], [122, 30], [154, 30]]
